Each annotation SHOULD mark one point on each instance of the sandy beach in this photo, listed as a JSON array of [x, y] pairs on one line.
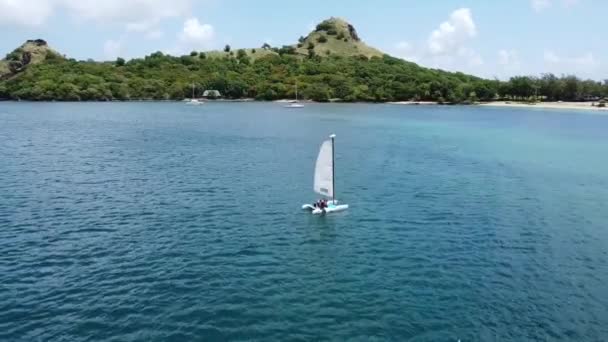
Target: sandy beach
[[547, 105], [413, 103]]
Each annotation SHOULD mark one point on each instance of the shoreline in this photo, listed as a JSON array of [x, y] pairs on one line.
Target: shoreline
[[547, 105], [584, 106], [413, 103]]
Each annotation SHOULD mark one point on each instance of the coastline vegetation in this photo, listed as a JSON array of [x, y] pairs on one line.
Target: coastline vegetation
[[271, 77]]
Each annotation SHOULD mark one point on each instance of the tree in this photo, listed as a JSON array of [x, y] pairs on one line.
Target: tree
[[325, 26], [202, 55], [120, 61], [550, 87], [571, 88], [266, 46], [193, 54], [322, 39], [227, 48], [318, 92], [287, 50], [252, 50], [3, 91], [242, 57], [521, 87]]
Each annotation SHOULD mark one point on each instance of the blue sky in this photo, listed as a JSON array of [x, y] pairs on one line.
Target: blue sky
[[486, 38]]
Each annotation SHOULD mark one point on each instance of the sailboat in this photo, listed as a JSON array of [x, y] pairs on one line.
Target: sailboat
[[295, 104], [324, 179], [194, 101]]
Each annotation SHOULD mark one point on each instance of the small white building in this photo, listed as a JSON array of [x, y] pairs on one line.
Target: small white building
[[212, 94]]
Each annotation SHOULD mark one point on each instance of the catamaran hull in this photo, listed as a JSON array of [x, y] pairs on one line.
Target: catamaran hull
[[331, 209]]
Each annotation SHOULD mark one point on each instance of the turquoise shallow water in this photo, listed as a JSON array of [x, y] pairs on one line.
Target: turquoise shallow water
[[167, 222]]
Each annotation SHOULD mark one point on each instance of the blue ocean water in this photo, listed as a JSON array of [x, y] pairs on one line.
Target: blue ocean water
[[168, 222]]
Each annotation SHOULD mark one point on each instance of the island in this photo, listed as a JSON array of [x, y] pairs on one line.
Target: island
[[331, 63]]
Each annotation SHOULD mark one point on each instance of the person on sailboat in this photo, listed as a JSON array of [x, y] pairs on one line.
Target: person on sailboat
[[320, 204]]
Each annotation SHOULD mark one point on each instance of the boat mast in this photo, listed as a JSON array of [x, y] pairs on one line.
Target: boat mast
[[333, 168], [193, 91], [296, 92]]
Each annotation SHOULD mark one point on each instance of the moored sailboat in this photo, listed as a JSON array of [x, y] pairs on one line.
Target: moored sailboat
[[193, 100], [295, 104]]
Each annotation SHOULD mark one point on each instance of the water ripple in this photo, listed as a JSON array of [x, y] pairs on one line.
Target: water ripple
[[158, 222]]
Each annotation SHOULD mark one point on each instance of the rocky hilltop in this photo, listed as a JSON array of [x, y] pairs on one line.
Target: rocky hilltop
[[31, 52], [335, 36]]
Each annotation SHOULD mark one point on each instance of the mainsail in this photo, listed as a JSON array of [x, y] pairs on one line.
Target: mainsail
[[324, 177]]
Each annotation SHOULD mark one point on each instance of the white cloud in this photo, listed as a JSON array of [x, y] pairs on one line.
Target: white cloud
[[134, 14], [447, 46], [130, 12], [453, 33], [541, 5], [586, 60], [196, 34], [585, 64], [112, 49], [25, 13]]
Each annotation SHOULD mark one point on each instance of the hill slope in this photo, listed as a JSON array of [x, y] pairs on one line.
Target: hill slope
[[330, 63], [335, 36], [332, 37]]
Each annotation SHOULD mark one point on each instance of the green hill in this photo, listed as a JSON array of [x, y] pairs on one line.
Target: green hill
[[32, 52]]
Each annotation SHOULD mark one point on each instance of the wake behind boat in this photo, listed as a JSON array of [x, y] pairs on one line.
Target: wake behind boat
[[324, 181]]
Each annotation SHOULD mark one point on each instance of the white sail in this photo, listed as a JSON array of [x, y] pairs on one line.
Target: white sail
[[324, 178]]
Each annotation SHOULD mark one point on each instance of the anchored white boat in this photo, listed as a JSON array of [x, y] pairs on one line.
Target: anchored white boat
[[324, 180], [295, 104], [194, 101]]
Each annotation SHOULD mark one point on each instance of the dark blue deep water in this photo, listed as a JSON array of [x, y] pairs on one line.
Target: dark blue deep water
[[168, 222]]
